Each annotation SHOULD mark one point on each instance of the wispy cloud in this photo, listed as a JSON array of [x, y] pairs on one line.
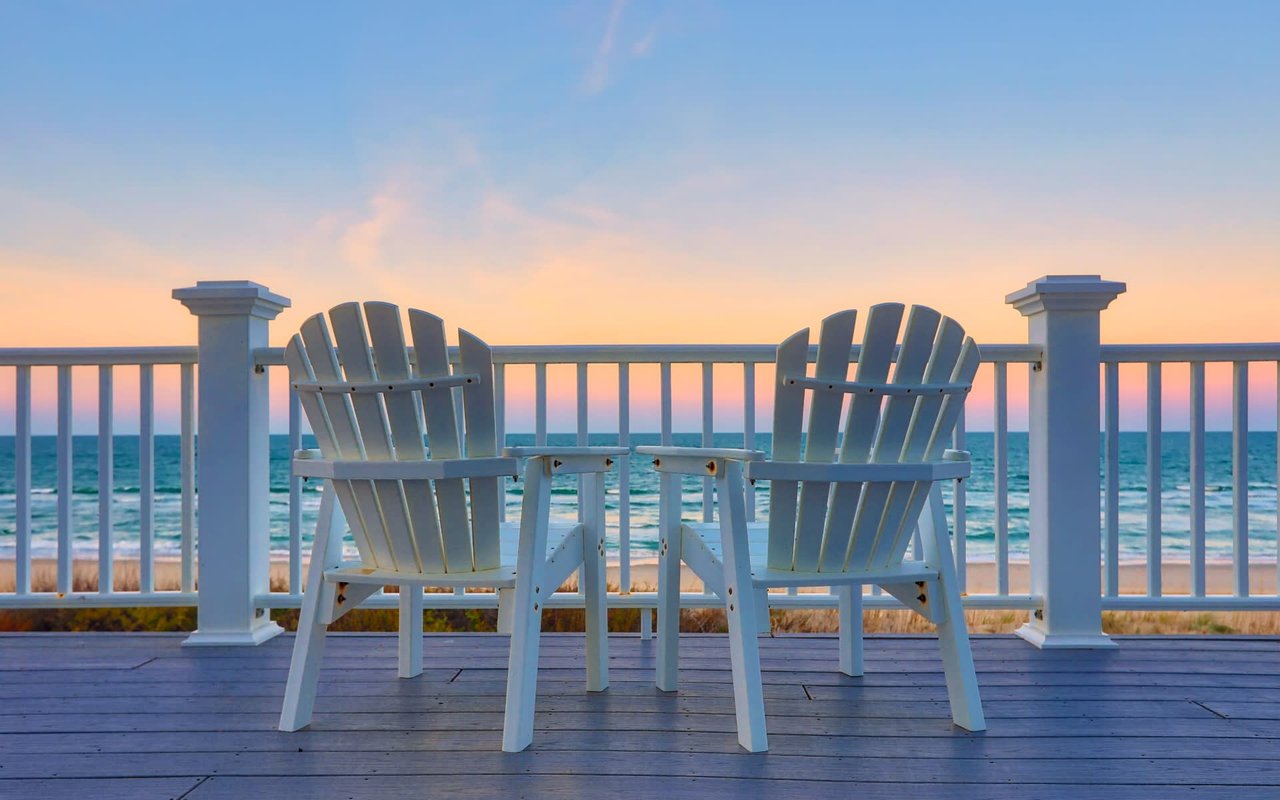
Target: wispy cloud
[[597, 76], [362, 241]]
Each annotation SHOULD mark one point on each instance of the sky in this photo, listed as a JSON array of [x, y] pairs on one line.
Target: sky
[[599, 172]]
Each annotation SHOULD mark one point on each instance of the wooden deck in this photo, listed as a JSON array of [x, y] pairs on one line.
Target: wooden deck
[[138, 716]]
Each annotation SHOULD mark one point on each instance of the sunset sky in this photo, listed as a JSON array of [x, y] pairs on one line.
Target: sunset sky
[[639, 172]]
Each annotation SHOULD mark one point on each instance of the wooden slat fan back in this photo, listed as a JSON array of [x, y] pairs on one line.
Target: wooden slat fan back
[[412, 526], [817, 526]]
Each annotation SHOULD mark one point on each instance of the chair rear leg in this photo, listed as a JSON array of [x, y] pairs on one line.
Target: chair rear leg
[[522, 663], [740, 600], [953, 632], [667, 677], [763, 623], [410, 639], [850, 600], [304, 668]]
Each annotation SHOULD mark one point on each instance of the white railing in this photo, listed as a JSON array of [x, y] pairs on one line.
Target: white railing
[[1156, 358], [649, 374], [107, 360]]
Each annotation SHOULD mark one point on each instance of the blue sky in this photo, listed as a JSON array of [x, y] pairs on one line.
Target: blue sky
[[643, 171]]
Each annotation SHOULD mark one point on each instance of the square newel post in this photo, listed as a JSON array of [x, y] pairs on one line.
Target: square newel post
[[232, 460], [1063, 314]]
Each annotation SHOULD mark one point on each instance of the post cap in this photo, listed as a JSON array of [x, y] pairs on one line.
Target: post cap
[[1065, 293], [231, 298]]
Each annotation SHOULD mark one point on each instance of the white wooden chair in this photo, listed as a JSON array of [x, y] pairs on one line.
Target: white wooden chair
[[428, 516], [839, 518]]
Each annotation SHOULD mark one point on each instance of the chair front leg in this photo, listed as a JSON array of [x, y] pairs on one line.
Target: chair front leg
[[522, 664], [740, 599], [667, 677], [593, 583]]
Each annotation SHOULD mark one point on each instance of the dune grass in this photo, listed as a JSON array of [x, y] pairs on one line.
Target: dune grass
[[85, 579]]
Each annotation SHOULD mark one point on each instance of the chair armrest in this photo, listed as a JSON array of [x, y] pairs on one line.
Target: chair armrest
[[569, 460], [701, 452], [706, 461]]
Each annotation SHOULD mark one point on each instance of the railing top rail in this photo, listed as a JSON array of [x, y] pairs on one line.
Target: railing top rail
[[94, 356], [1155, 353], [665, 353]]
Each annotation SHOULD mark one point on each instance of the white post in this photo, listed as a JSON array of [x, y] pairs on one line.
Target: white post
[[1063, 318], [232, 460]]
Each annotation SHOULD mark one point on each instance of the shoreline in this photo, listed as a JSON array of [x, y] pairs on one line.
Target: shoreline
[[980, 576]]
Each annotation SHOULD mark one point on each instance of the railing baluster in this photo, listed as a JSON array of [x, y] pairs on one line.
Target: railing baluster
[[65, 477], [1197, 466], [500, 423], [1001, 469], [708, 428], [959, 499], [295, 495], [624, 478], [146, 478], [1111, 481], [1155, 428], [187, 415], [582, 413], [540, 404], [749, 428], [664, 370], [22, 478], [1240, 476], [106, 456]]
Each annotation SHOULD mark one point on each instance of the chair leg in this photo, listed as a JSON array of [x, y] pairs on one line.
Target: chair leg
[[304, 667], [308, 645], [506, 610], [667, 677], [593, 585], [522, 664], [763, 623], [740, 598], [953, 633], [410, 640], [850, 599]]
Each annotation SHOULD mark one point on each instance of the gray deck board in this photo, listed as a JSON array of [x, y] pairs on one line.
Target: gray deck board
[[116, 715]]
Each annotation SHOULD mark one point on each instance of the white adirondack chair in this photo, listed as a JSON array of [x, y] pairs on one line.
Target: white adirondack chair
[[428, 516], [836, 518]]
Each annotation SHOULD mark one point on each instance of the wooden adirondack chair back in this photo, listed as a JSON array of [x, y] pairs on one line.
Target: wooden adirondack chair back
[[403, 525], [824, 527]]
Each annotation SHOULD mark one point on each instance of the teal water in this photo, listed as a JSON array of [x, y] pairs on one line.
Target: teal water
[[980, 506]]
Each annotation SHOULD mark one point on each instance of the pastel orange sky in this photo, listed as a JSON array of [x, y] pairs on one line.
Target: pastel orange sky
[[614, 172]]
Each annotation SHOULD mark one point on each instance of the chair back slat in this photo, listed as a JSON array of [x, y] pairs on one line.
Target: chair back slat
[[879, 337], [880, 503], [834, 344], [788, 419], [295, 357], [404, 412], [375, 433], [482, 442], [906, 499], [363, 514], [442, 437], [860, 525]]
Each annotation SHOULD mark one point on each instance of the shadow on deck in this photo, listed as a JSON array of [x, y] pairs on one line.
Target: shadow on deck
[[136, 715]]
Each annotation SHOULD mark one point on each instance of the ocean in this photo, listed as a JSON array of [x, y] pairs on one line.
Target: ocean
[[980, 507]]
